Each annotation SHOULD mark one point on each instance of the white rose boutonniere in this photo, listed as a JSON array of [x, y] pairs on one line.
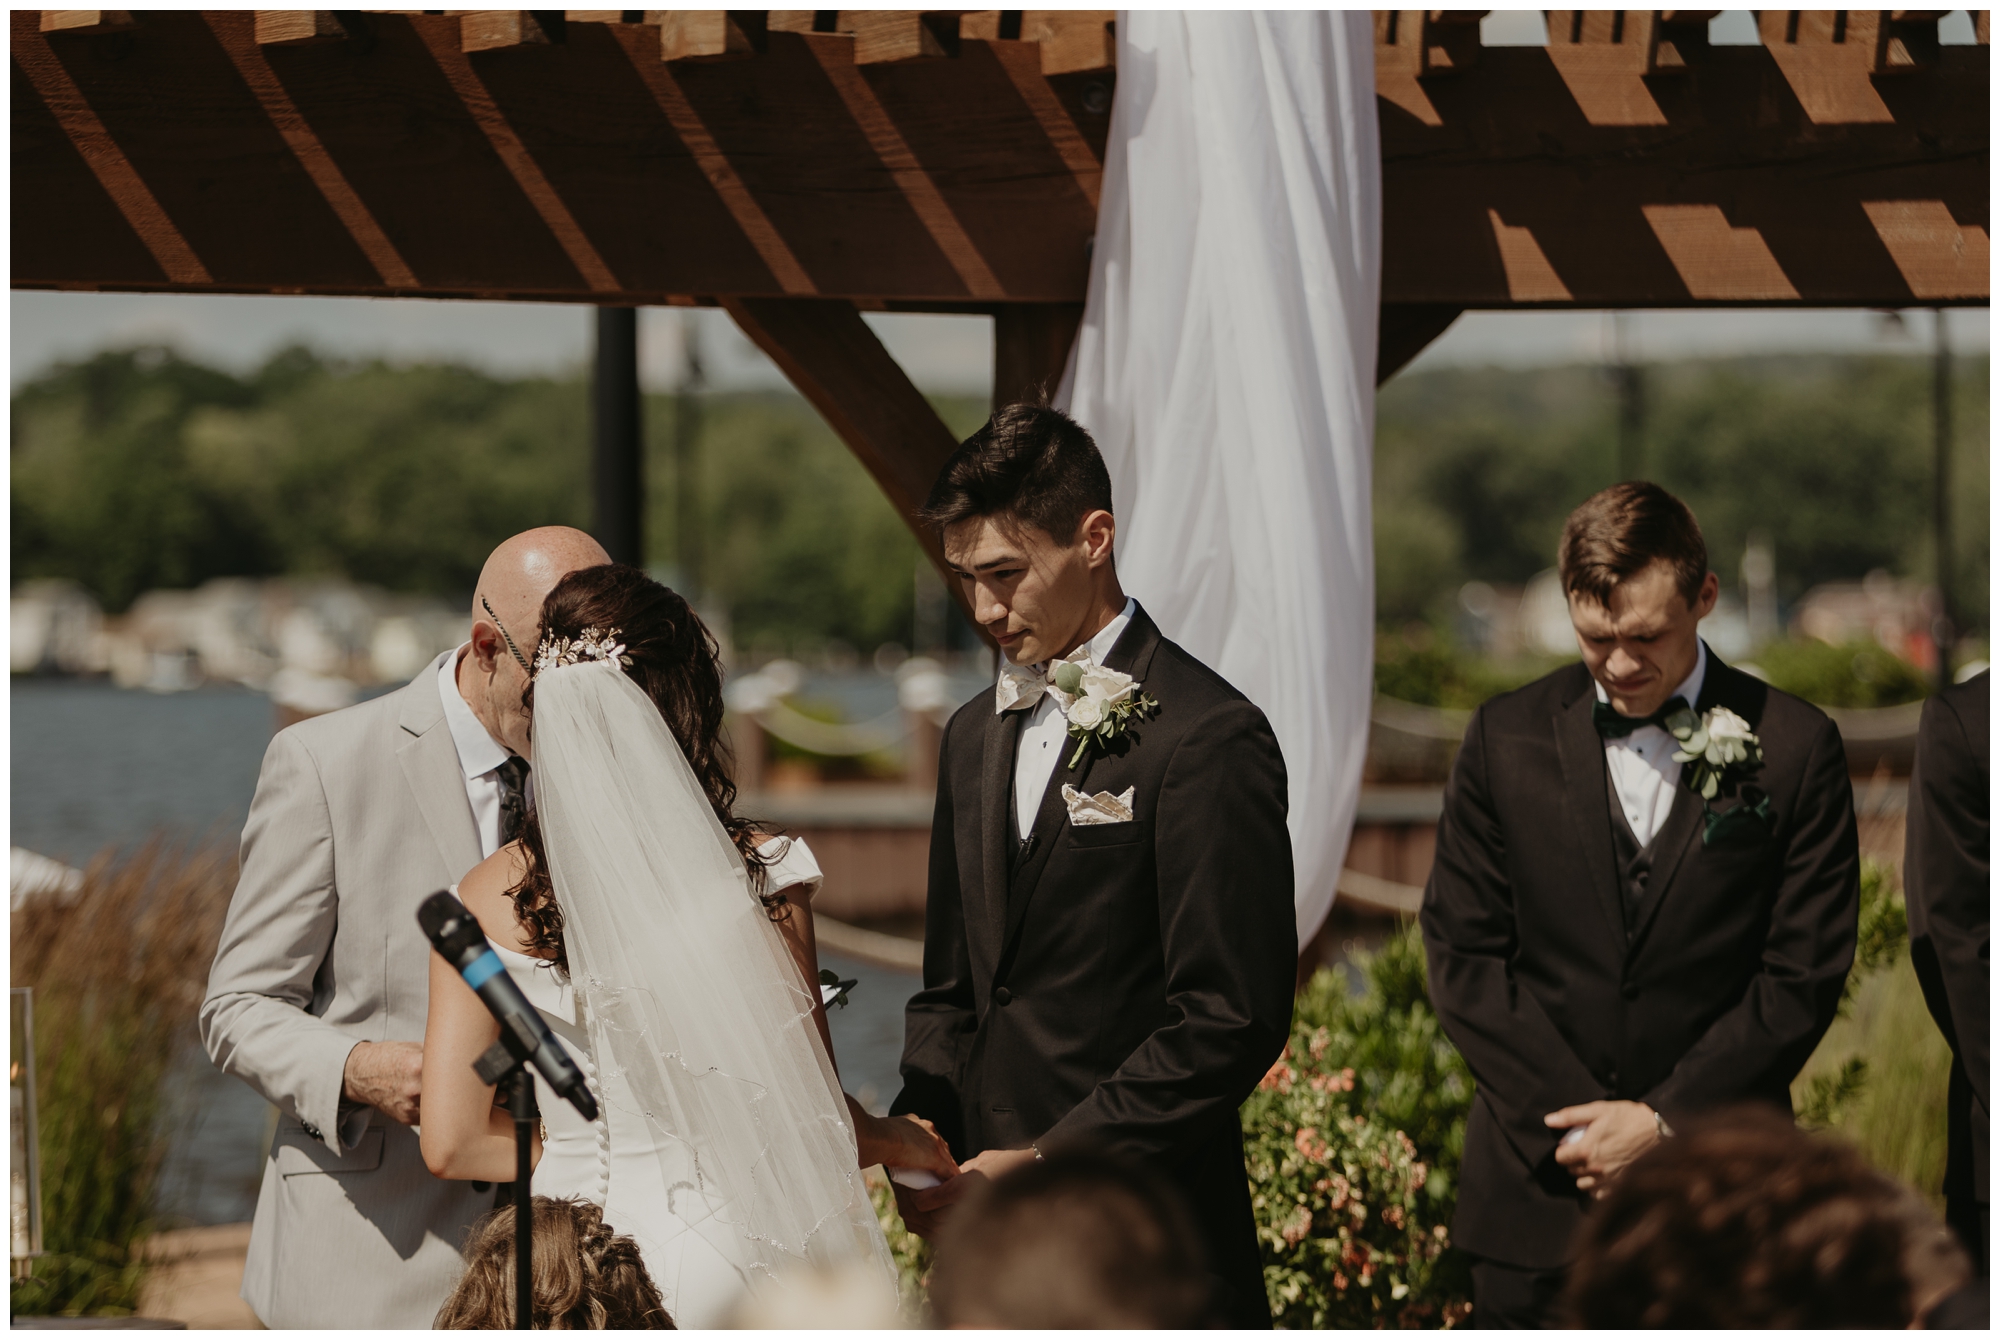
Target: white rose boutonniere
[[1100, 704], [1719, 743]]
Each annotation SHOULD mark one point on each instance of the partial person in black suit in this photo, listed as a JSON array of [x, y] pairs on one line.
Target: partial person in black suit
[[1610, 950], [1109, 945], [1945, 865]]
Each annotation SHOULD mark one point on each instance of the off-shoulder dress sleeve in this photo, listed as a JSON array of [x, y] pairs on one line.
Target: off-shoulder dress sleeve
[[792, 864]]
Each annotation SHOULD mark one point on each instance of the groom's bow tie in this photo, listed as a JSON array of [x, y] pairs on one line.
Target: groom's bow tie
[[1615, 725], [1020, 687]]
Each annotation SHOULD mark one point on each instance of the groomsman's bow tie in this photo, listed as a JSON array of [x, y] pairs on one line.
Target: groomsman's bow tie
[[1021, 686], [1615, 725]]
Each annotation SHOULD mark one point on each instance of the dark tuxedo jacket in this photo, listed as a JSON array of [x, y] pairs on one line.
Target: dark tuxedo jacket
[[1717, 991], [1119, 987], [1945, 871]]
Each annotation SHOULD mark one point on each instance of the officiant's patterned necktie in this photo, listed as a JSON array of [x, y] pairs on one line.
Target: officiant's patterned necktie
[[513, 798], [1615, 725]]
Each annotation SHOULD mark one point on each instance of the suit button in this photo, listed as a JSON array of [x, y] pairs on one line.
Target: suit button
[[1003, 996]]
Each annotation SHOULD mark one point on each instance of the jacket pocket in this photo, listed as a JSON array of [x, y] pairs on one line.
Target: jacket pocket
[[297, 1153], [1110, 835]]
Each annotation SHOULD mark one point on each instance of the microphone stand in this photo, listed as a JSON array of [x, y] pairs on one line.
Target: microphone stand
[[519, 1087]]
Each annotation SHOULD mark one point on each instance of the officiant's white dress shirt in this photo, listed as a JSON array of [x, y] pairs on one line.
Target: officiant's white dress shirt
[[1643, 771], [1044, 738], [479, 756]]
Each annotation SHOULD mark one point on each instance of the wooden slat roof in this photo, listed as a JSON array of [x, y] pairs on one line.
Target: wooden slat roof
[[950, 160]]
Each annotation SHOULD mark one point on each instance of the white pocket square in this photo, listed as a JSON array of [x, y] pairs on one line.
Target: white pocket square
[[1102, 808]]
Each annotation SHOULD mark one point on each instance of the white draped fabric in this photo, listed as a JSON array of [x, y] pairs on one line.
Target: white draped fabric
[[1226, 368]]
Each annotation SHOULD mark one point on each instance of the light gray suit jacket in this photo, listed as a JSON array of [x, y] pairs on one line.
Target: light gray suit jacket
[[359, 815]]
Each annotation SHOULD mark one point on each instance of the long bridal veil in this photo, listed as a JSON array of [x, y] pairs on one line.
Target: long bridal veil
[[699, 1017]]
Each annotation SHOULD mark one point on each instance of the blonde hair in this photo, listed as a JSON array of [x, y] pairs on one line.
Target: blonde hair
[[587, 1277]]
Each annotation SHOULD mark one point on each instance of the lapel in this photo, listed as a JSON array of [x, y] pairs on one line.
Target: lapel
[[1133, 654], [996, 792], [1682, 830], [430, 765], [1587, 798]]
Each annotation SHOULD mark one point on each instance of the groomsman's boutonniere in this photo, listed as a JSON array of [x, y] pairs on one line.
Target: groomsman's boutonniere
[[1101, 706], [1721, 746]]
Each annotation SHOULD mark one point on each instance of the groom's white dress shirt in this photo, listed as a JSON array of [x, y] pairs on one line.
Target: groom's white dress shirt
[[479, 756], [1643, 770], [1045, 735]]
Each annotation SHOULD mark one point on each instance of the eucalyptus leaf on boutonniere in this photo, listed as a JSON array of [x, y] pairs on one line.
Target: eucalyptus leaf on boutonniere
[[1100, 704], [1721, 746]]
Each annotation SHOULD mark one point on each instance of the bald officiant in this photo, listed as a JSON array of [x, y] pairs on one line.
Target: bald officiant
[[319, 989]]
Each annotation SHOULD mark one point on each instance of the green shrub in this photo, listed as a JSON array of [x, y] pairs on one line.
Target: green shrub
[[1879, 1075], [1352, 1145], [1418, 667], [1859, 674], [910, 1252]]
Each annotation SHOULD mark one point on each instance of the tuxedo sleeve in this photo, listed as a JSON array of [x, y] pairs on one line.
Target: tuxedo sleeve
[[1229, 933], [1945, 869], [1761, 1043], [257, 1021], [939, 1021], [1524, 1066]]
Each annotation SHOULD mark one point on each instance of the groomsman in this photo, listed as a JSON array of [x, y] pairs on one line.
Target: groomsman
[[1109, 946], [320, 986], [1619, 939], [1945, 874]]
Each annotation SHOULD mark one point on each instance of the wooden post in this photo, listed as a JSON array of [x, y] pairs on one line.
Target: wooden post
[[617, 473], [1944, 628], [687, 463], [1031, 347]]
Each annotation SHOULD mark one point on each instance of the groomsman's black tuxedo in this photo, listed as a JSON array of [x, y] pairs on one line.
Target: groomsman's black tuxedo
[[1562, 981], [1945, 873], [1124, 986]]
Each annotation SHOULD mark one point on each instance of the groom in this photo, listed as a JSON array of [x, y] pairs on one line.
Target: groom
[[1109, 944]]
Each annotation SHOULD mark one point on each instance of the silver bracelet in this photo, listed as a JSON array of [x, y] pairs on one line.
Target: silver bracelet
[[1666, 1131], [1038, 1152]]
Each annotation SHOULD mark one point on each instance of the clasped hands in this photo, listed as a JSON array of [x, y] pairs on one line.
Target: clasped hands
[[1615, 1133], [925, 1209]]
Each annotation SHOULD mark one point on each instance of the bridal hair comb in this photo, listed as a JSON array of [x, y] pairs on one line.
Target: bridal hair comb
[[592, 644]]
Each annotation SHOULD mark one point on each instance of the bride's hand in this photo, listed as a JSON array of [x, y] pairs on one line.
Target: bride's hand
[[904, 1142]]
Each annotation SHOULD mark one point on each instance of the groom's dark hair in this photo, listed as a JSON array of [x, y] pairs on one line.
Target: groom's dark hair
[[1622, 531], [1030, 462]]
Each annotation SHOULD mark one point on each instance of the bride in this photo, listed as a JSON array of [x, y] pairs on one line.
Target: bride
[[671, 948]]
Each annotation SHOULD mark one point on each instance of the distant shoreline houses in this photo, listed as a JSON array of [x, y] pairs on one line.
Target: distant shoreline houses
[[313, 645]]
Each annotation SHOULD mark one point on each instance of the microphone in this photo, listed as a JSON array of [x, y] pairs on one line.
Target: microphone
[[524, 1036]]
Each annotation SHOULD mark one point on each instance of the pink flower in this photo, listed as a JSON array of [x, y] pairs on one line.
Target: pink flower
[[1280, 1077], [1393, 1216], [1309, 1144]]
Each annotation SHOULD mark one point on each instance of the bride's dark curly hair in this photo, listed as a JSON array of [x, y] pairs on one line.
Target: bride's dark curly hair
[[674, 658]]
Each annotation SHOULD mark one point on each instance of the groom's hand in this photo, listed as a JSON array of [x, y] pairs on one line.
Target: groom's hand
[[387, 1076]]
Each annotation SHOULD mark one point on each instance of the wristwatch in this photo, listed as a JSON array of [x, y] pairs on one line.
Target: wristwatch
[[1666, 1131]]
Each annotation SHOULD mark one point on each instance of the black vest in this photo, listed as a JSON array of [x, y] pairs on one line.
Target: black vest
[[1635, 863]]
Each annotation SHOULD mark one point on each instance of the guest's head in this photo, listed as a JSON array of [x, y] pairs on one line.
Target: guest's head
[[1744, 1221], [670, 654], [1071, 1242], [1024, 510], [587, 1277], [506, 623], [1635, 570]]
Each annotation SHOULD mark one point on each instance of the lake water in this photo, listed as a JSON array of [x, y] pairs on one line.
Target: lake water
[[97, 767]]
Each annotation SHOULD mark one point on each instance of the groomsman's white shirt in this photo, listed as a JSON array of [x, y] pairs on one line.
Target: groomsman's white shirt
[[479, 756], [1643, 770], [1044, 739]]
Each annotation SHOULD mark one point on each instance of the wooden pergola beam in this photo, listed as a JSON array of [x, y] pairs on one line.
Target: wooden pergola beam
[[1626, 164]]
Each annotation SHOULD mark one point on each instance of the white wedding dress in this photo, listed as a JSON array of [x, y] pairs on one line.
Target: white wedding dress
[[722, 1142]]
